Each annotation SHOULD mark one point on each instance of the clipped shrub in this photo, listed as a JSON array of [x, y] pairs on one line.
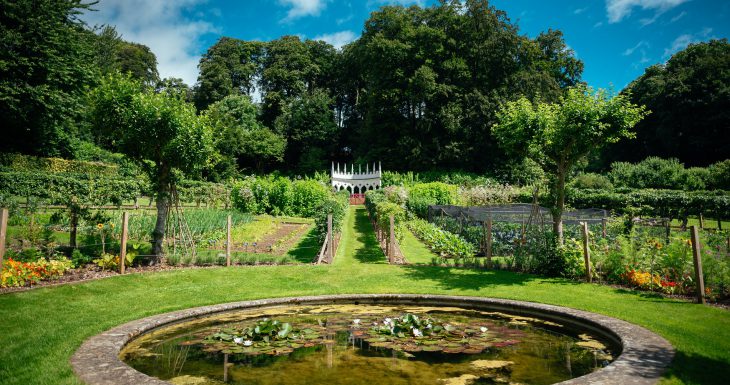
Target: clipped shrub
[[307, 195], [337, 206], [591, 181], [719, 175], [422, 195]]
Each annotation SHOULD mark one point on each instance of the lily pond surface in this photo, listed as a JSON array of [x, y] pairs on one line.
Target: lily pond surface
[[367, 344]]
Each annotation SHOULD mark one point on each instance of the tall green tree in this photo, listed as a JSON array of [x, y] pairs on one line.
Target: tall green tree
[[162, 133], [241, 140], [45, 63], [559, 135], [430, 82], [229, 67], [689, 97], [113, 54], [309, 125]]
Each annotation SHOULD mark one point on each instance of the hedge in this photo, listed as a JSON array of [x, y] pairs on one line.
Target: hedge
[[26, 163]]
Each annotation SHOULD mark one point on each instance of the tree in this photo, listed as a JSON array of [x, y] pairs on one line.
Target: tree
[[308, 123], [112, 54], [161, 133], [45, 63], [240, 139], [689, 97], [229, 67], [559, 135], [430, 81]]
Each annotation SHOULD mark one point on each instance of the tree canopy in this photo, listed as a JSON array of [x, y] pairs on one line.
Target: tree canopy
[[689, 97], [559, 135]]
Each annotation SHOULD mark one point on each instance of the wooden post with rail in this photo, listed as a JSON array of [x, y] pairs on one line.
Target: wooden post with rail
[[699, 278], [330, 240], [228, 241], [3, 233], [391, 240], [489, 242], [123, 246], [586, 252]]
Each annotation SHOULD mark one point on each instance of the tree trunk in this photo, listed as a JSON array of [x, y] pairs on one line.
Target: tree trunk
[[163, 205], [74, 228]]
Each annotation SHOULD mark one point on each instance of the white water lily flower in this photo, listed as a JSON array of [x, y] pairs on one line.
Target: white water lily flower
[[417, 333], [247, 343], [387, 321], [238, 340], [356, 321], [483, 329]]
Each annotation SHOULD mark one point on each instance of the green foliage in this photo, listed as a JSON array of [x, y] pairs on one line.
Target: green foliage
[[558, 136], [690, 107], [591, 181], [719, 177], [657, 203], [45, 65], [278, 195], [422, 195], [239, 138], [112, 54], [309, 126], [440, 241], [337, 206], [17, 162], [160, 132], [430, 80], [652, 172]]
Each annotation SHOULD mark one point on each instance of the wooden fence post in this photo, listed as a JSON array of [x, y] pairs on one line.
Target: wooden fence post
[[587, 252], [699, 278], [603, 226], [330, 242], [3, 232], [391, 240], [702, 221], [489, 242], [123, 246], [228, 241]]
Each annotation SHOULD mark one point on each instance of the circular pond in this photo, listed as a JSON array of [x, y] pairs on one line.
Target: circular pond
[[393, 339]]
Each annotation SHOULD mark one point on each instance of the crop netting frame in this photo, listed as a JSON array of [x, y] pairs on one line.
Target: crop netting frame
[[513, 225]]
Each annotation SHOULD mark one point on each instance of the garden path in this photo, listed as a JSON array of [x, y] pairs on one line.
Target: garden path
[[358, 244]]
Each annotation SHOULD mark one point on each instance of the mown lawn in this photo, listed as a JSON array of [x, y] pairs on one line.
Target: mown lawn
[[40, 329]]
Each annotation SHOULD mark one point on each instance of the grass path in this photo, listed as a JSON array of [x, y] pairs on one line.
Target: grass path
[[415, 251], [358, 244], [40, 329]]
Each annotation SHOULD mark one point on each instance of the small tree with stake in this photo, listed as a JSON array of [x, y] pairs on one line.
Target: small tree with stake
[[159, 131], [557, 136]]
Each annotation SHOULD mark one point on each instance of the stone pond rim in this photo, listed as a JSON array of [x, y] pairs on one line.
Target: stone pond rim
[[643, 359]]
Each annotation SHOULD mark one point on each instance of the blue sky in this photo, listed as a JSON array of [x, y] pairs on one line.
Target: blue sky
[[616, 39]]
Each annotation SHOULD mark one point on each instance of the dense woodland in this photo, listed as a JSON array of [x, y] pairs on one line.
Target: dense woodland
[[419, 90]]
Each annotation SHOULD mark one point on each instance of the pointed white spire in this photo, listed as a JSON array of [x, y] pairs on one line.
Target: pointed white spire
[[367, 166], [359, 169]]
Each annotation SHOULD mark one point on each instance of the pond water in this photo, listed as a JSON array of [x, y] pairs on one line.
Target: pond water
[[367, 344]]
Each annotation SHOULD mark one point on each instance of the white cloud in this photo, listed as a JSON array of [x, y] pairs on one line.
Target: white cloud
[[682, 41], [681, 15], [619, 9], [578, 11], [420, 3], [630, 51], [301, 8], [160, 25], [337, 39]]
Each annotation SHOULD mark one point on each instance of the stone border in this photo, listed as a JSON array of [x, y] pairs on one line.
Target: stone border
[[643, 359]]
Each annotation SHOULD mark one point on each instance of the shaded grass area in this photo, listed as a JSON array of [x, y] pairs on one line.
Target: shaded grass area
[[415, 251], [40, 329], [358, 244]]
